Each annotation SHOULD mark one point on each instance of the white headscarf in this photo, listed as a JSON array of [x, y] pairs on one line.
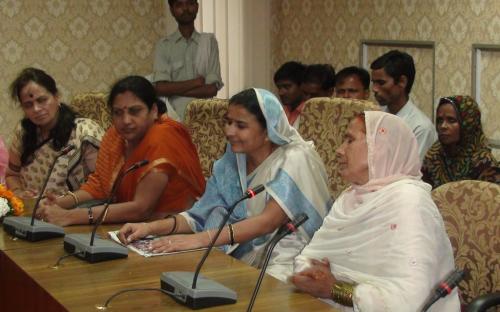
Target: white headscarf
[[392, 155]]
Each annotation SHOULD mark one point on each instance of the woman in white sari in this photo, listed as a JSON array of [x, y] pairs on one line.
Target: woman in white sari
[[263, 149], [384, 237]]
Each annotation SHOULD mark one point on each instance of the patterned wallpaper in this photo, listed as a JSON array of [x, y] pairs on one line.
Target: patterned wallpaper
[[315, 31], [84, 45]]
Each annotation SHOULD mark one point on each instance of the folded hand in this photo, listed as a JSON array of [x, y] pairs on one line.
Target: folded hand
[[317, 280]]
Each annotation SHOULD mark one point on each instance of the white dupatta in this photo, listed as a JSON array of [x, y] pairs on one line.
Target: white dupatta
[[386, 236]]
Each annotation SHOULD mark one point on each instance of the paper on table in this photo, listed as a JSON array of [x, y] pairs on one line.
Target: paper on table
[[141, 246]]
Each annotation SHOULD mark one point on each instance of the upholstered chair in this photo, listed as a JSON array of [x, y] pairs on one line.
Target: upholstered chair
[[93, 105], [471, 213], [204, 119], [324, 121]]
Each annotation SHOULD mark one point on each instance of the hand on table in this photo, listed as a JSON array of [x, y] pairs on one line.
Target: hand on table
[[178, 242], [49, 211], [317, 280], [133, 231]]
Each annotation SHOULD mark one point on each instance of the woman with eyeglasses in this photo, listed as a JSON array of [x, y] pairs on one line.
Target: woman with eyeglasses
[[462, 151]]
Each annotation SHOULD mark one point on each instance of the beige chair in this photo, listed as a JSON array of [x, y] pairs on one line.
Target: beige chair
[[93, 105], [324, 121], [471, 213], [204, 119]]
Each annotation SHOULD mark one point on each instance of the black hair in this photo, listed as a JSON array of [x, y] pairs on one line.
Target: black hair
[[396, 64], [60, 133], [248, 99], [141, 88], [172, 2], [293, 71], [359, 72], [322, 74]]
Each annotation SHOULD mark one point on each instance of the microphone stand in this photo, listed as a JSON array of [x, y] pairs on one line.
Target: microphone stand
[[27, 227], [445, 287], [90, 249], [209, 293], [286, 229]]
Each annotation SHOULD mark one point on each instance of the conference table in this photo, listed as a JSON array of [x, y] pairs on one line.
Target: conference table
[[28, 281]]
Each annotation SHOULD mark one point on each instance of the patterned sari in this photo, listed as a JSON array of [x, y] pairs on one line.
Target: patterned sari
[[70, 170], [293, 175], [168, 147], [472, 158]]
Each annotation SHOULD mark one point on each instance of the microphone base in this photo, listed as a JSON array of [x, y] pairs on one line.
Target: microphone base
[[102, 250], [207, 294], [21, 227]]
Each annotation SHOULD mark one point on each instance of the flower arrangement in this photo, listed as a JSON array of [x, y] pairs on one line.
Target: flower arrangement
[[9, 203]]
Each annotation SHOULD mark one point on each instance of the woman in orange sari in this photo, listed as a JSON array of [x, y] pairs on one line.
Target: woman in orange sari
[[169, 183]]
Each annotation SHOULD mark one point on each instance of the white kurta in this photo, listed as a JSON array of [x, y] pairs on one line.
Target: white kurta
[[422, 127]]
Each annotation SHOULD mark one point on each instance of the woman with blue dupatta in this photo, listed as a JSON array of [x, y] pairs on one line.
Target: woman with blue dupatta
[[262, 149]]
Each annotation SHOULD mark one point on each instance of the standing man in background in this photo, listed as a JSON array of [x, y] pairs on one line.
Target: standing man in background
[[186, 64], [288, 80], [392, 76], [352, 83]]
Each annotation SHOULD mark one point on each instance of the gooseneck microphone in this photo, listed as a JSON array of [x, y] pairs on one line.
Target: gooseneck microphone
[[90, 249], [250, 193], [118, 181], [184, 285], [29, 228], [445, 287], [284, 230]]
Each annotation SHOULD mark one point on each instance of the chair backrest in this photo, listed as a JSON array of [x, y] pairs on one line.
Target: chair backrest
[[471, 213], [93, 105], [204, 119], [324, 121]]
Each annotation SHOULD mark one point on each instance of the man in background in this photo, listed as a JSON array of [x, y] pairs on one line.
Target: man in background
[[186, 64], [352, 82], [392, 77], [319, 81], [288, 80]]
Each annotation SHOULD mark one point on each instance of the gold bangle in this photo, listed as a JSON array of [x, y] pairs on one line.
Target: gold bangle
[[75, 198], [105, 214], [341, 292]]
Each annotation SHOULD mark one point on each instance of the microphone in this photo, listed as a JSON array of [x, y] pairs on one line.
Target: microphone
[[27, 227], [284, 230], [445, 287], [183, 285], [90, 249]]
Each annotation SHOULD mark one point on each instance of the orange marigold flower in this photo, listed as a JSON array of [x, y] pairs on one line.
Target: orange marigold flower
[[15, 203]]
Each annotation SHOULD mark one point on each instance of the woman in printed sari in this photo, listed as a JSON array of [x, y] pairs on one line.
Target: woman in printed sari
[[263, 149], [462, 152], [47, 127], [169, 183], [384, 236]]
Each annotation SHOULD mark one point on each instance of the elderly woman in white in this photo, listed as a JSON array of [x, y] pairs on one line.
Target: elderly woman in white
[[383, 246]]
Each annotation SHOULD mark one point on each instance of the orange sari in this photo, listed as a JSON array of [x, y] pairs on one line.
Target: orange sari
[[168, 147]]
